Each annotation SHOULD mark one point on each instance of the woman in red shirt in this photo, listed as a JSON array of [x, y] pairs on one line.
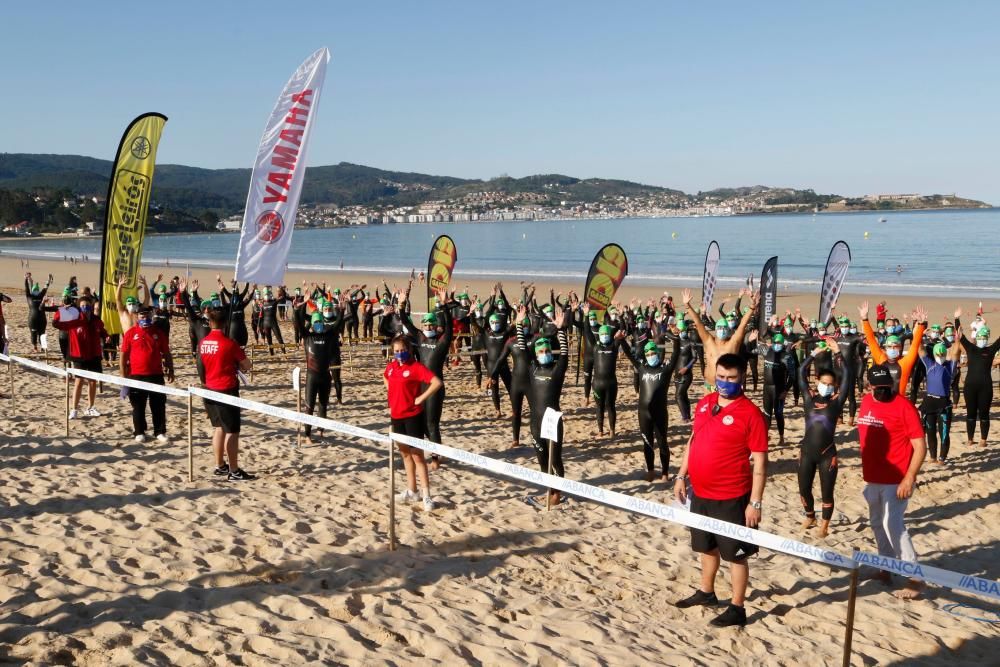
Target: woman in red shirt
[[405, 378]]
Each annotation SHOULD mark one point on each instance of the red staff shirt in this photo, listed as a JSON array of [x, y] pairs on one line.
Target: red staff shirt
[[404, 386], [86, 337], [145, 349], [885, 431], [719, 460], [221, 357]]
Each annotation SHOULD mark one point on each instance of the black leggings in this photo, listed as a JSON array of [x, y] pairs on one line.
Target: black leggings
[[588, 375], [825, 463], [683, 383], [978, 397], [605, 398], [477, 364], [317, 387], [518, 394], [542, 446], [653, 426], [937, 416], [504, 376], [774, 407], [752, 363], [432, 415], [274, 329]]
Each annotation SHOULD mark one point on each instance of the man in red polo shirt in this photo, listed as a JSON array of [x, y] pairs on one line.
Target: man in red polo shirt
[[221, 358], [86, 348], [726, 458], [144, 354], [892, 450]]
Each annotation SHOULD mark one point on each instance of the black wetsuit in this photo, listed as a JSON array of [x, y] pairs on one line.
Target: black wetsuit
[[687, 356], [322, 351], [605, 381], [545, 392], [198, 328], [776, 385], [269, 328], [520, 377], [36, 317], [255, 315], [582, 324], [496, 362], [477, 340], [433, 353], [978, 390], [353, 303], [237, 304], [654, 384], [818, 453]]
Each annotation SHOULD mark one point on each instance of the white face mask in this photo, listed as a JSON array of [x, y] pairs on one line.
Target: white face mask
[[854, 330], [430, 333], [892, 353], [982, 342], [939, 360], [845, 330], [778, 347], [823, 389], [545, 358], [605, 339], [132, 308]]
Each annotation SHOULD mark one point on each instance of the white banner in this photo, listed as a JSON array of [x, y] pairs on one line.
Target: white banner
[[276, 181], [712, 258], [833, 279]]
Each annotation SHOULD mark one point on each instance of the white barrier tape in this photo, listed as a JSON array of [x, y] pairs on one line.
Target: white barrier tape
[[125, 382], [948, 579], [38, 366], [290, 415], [4, 358]]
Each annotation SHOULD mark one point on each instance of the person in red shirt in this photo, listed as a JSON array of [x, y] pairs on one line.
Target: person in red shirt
[[144, 354], [892, 450], [221, 358], [726, 458], [86, 348], [404, 379]]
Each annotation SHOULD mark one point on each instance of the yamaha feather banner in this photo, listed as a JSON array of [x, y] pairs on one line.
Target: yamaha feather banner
[[768, 293], [833, 278], [440, 265], [126, 213], [710, 276], [607, 271], [278, 172]]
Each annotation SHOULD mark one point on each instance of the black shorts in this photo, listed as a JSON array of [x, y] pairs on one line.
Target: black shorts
[[92, 365], [414, 426], [733, 511], [224, 415]]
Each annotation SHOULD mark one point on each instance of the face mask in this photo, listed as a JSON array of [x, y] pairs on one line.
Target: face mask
[[883, 394], [496, 327], [478, 313], [653, 360], [402, 356], [778, 347], [642, 326], [501, 304], [721, 334], [318, 327], [892, 353], [854, 330], [982, 342], [131, 308], [844, 331], [934, 335], [163, 304], [217, 303], [328, 314], [593, 324], [824, 390], [545, 358], [465, 302], [86, 310], [605, 339], [731, 324], [939, 360], [728, 389], [430, 333], [684, 335], [145, 322]]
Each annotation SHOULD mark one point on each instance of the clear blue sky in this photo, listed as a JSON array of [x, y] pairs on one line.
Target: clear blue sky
[[848, 97]]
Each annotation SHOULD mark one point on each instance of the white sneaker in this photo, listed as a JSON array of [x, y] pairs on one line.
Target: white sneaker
[[428, 504], [72, 414], [162, 439], [141, 437], [407, 497], [92, 412]]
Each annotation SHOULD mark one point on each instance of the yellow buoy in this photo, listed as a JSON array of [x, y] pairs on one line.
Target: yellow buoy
[[674, 235], [866, 234]]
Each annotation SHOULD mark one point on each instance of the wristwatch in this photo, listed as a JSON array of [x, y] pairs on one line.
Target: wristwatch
[[756, 504]]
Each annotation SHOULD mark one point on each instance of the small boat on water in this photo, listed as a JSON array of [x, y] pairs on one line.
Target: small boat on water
[[881, 219]]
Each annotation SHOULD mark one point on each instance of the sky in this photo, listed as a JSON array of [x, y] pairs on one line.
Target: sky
[[851, 98]]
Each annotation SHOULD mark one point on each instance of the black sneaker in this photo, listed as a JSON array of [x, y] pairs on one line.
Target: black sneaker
[[222, 470], [240, 475], [699, 598], [733, 615]]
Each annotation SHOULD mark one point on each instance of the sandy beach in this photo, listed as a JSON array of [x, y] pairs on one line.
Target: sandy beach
[[112, 557]]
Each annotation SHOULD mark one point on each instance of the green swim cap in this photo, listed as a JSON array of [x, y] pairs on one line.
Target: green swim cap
[[336, 291], [429, 318], [547, 308], [207, 303], [317, 317], [682, 325], [495, 317], [384, 301], [129, 300], [940, 350], [844, 320], [821, 345], [777, 338], [605, 329], [463, 295], [984, 332], [36, 287], [935, 327], [542, 344], [721, 324], [650, 346], [67, 292], [162, 289], [893, 340]]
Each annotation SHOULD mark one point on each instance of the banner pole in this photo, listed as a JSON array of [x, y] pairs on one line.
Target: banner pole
[[190, 441], [252, 364], [852, 598], [548, 494], [67, 404], [298, 408], [392, 493], [10, 367]]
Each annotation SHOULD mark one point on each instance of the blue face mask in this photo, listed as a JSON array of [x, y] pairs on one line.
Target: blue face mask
[[653, 360], [145, 322], [721, 334], [402, 356], [605, 339], [892, 353], [496, 326], [778, 347], [684, 335], [430, 333], [545, 358], [87, 310], [728, 389]]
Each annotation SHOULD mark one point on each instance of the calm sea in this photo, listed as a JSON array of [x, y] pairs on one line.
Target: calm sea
[[941, 252]]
